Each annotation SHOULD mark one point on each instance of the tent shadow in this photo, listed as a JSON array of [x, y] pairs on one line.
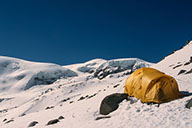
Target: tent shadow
[[185, 93]]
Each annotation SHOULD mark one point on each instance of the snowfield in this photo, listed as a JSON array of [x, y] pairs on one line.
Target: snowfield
[[70, 96], [17, 75]]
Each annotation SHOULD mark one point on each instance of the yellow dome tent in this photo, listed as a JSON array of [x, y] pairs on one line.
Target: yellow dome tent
[[151, 85]]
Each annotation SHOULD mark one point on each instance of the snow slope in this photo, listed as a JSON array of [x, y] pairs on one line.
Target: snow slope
[[179, 60], [77, 98], [179, 65], [17, 75]]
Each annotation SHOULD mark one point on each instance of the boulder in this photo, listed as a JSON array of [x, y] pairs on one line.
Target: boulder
[[54, 121], [190, 71], [32, 124], [189, 104], [61, 117], [181, 72], [111, 103]]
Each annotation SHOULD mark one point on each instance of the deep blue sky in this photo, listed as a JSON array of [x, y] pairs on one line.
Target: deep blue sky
[[73, 31]]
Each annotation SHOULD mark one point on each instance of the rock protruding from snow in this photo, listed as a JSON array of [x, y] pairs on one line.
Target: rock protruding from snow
[[189, 104], [61, 118], [119, 65], [178, 63], [54, 121], [32, 124], [17, 75], [111, 103]]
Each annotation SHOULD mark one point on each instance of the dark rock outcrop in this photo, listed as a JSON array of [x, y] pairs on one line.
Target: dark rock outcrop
[[190, 71], [54, 121], [189, 104], [61, 117], [32, 124], [9, 121], [177, 66], [102, 117], [181, 72], [111, 103]]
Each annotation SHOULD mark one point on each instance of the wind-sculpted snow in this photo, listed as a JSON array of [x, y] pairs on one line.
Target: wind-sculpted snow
[[119, 65], [17, 75]]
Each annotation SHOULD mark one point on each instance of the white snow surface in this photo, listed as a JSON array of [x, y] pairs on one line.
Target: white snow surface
[[77, 98], [17, 75], [91, 65], [173, 63]]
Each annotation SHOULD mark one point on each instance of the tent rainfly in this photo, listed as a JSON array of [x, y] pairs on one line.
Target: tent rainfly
[[151, 85]]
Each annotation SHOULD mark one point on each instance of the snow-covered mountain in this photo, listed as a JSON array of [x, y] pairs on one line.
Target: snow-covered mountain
[[179, 62], [70, 96], [17, 75], [179, 65]]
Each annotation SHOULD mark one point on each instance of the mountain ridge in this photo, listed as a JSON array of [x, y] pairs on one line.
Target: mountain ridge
[[78, 98]]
